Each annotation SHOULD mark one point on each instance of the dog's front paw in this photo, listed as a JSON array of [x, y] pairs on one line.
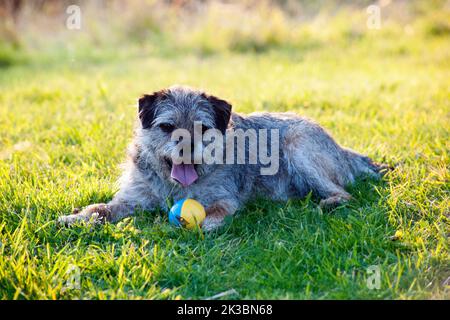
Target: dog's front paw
[[212, 222], [215, 216], [93, 214]]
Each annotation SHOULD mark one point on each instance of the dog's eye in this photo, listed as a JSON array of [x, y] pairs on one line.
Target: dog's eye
[[167, 127]]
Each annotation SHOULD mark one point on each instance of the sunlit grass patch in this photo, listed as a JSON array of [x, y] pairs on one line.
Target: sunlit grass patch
[[66, 118]]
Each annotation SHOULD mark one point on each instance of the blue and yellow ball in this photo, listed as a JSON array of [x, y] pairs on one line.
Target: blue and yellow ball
[[187, 213]]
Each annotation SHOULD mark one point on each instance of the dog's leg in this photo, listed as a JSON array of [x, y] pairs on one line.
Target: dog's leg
[[314, 177], [335, 200], [331, 194], [98, 213], [216, 213], [316, 163]]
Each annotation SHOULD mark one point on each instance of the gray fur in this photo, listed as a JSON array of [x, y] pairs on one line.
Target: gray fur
[[310, 161]]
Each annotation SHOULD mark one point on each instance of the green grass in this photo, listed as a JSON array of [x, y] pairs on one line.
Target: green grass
[[65, 124]]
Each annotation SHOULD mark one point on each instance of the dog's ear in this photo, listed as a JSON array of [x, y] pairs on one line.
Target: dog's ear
[[147, 108], [222, 112]]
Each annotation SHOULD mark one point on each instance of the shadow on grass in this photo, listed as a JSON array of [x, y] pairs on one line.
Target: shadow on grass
[[258, 216], [366, 194], [269, 248]]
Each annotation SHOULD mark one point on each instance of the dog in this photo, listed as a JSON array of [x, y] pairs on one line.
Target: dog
[[309, 161]]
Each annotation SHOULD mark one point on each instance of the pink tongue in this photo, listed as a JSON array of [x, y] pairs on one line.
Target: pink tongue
[[184, 173]]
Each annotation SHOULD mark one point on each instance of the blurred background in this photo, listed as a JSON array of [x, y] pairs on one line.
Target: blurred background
[[39, 30]]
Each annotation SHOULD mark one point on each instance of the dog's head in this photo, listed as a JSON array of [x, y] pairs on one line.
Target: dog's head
[[166, 113]]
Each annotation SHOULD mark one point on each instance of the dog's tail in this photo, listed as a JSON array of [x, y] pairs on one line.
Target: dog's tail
[[363, 165]]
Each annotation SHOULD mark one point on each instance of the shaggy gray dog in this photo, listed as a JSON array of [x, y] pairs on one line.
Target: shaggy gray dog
[[309, 161]]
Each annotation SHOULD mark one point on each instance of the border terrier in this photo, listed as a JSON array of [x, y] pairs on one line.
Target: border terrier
[[301, 158]]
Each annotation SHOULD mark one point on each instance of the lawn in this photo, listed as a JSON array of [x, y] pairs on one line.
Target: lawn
[[65, 122]]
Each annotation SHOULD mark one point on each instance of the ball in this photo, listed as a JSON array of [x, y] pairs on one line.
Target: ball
[[187, 213]]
